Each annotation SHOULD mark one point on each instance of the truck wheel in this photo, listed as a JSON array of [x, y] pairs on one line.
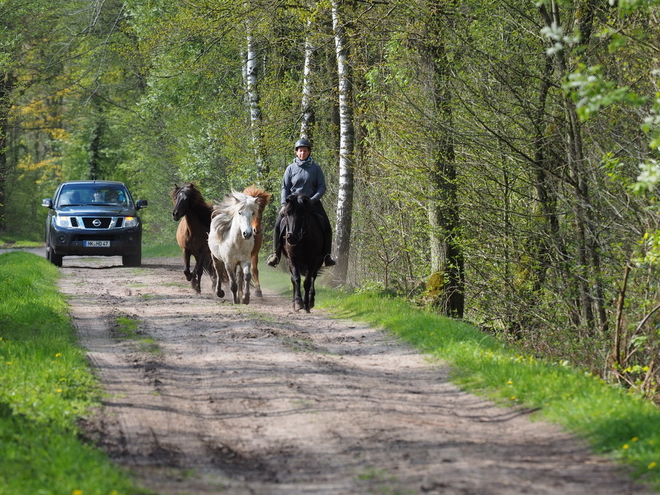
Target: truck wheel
[[135, 260], [55, 259]]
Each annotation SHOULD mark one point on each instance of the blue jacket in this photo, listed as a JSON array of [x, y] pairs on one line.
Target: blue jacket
[[307, 179]]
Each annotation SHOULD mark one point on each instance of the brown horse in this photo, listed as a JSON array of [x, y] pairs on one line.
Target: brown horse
[[263, 198], [192, 233]]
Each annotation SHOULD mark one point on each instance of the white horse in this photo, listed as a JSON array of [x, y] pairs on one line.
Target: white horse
[[231, 241]]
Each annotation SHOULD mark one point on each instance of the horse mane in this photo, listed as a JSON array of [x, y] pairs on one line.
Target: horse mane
[[295, 202], [194, 194], [263, 197], [224, 213]]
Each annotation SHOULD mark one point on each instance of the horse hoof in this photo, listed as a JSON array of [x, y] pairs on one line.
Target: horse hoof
[[258, 293], [246, 299], [188, 276], [221, 293]]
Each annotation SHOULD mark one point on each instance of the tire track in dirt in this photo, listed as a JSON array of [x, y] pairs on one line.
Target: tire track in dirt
[[257, 399]]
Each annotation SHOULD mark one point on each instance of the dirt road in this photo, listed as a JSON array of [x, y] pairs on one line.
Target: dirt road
[[215, 398]]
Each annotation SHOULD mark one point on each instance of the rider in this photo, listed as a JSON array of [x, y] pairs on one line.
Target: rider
[[303, 176]]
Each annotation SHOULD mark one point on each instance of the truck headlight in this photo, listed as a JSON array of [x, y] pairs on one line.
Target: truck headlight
[[62, 221], [130, 222]]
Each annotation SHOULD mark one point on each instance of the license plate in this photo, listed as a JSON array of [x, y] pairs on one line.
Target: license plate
[[97, 244]]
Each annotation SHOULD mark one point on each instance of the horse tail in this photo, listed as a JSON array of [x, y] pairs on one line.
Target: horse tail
[[210, 270], [208, 265]]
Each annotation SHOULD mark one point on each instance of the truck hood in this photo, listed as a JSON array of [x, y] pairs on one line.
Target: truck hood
[[97, 211]]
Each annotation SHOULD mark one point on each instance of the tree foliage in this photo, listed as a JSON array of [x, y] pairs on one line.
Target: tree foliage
[[503, 156]]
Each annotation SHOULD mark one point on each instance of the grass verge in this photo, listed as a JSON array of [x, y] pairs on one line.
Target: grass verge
[[18, 243], [615, 422], [161, 250], [46, 388], [47, 385]]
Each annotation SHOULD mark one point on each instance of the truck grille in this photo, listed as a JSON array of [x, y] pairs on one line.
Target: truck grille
[[97, 223]]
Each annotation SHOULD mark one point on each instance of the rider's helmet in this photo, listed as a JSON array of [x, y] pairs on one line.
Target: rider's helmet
[[302, 142]]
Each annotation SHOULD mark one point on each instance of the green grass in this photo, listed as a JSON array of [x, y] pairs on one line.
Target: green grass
[[46, 388], [128, 328], [276, 279], [161, 250], [8, 242], [615, 422]]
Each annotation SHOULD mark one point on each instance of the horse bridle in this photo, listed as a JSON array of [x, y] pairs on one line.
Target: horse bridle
[[301, 232], [180, 195]]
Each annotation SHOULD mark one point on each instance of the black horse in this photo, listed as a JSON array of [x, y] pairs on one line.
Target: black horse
[[303, 246], [192, 234]]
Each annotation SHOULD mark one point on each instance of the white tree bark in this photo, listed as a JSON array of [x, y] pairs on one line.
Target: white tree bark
[[254, 104], [308, 116], [346, 148]]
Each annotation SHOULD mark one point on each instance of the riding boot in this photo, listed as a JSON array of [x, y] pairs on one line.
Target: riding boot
[[327, 246], [274, 259]]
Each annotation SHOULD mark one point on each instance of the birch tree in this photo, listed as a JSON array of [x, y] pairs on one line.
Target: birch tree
[[307, 107], [254, 104], [346, 146]]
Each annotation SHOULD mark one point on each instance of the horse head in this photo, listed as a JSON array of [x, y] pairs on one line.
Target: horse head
[[296, 218], [188, 199], [235, 209], [248, 210], [181, 199], [263, 198]]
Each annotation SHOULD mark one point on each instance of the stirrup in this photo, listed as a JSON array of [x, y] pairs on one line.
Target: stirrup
[[273, 260], [329, 261]]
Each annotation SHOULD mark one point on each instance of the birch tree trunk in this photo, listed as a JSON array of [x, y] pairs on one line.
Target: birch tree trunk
[[308, 115], [346, 148], [255, 106]]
